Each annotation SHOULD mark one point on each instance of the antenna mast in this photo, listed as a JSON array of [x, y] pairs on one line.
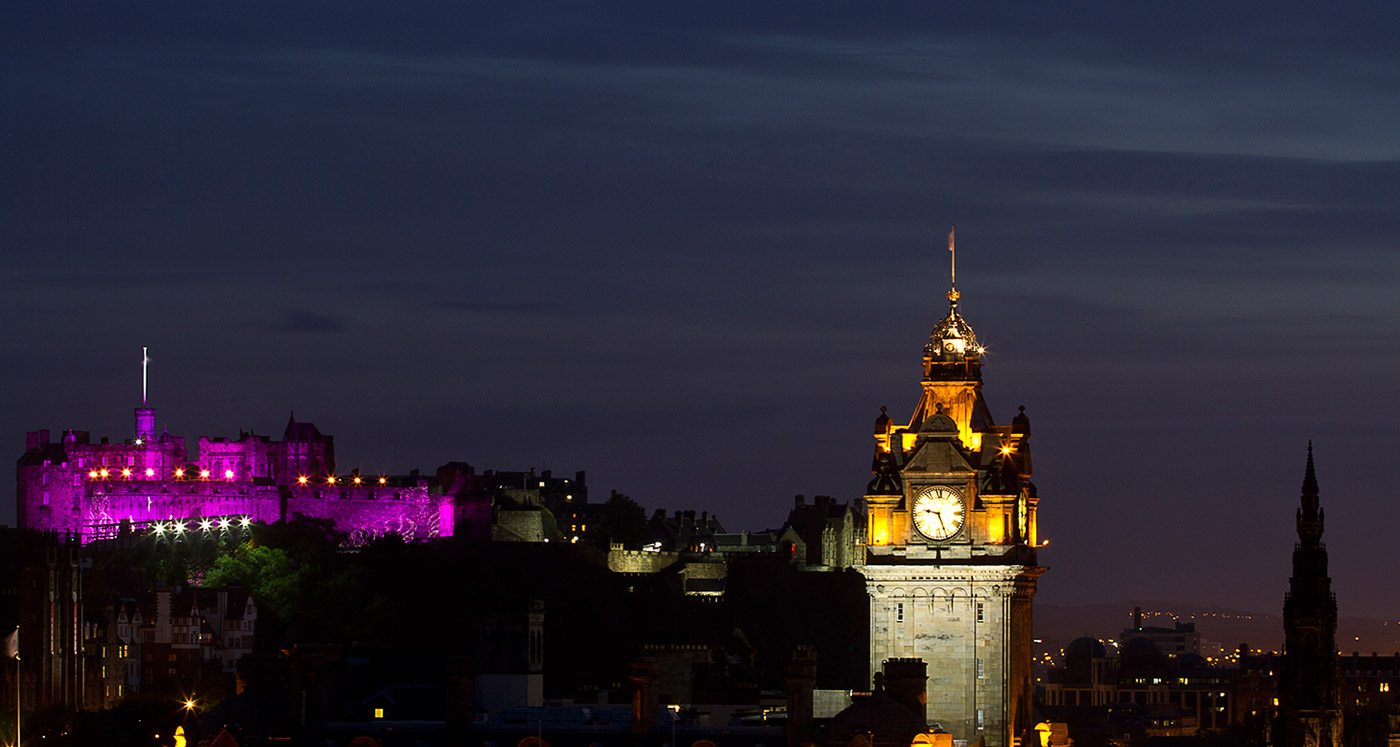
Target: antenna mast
[[144, 360]]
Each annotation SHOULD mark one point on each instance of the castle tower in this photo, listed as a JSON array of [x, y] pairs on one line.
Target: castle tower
[[1309, 685], [950, 561]]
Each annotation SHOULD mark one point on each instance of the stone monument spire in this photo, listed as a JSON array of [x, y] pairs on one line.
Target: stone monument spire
[[1309, 686]]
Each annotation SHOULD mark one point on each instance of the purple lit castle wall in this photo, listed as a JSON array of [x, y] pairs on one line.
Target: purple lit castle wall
[[89, 490]]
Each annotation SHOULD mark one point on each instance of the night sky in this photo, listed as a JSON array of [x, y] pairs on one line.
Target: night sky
[[692, 248]]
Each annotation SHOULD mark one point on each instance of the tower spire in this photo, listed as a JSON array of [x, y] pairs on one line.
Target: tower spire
[[144, 361], [952, 267]]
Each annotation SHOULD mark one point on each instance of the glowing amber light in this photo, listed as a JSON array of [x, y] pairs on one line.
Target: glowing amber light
[[382, 481], [204, 473], [93, 474], [179, 473], [228, 474], [1006, 451], [103, 473], [301, 480], [357, 481], [330, 480], [150, 472], [126, 473]]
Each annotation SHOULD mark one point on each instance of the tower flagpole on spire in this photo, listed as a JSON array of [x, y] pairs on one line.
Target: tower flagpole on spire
[[952, 258], [144, 361]]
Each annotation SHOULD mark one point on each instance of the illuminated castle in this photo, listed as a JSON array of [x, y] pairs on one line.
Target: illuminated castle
[[149, 482]]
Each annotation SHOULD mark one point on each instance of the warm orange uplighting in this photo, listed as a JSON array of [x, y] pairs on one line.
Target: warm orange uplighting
[[102, 473], [179, 473], [357, 481], [204, 473], [126, 472], [150, 472], [93, 474], [1006, 450], [301, 480], [330, 480], [383, 481], [228, 474]]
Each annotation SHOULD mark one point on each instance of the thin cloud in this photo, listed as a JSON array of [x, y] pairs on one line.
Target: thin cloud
[[300, 320]]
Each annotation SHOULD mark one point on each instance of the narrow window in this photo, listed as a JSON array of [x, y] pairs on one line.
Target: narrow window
[[981, 669], [981, 722], [980, 617], [899, 612]]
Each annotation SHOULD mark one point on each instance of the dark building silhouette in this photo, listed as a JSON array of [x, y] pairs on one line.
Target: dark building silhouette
[[1309, 687]]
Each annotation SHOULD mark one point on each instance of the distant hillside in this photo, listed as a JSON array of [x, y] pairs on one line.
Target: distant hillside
[[1227, 627]]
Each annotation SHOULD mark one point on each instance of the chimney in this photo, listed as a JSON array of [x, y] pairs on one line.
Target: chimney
[[644, 696], [31, 440], [906, 681], [801, 681]]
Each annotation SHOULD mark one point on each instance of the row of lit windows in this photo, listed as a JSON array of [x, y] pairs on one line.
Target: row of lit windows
[[331, 480], [204, 474]]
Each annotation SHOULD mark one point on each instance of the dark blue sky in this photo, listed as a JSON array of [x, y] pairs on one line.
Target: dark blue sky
[[693, 248]]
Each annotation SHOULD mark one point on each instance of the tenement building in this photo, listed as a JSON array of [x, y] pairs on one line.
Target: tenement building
[[950, 562]]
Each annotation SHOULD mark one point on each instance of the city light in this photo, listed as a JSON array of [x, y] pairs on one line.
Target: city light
[[204, 474], [228, 474], [204, 525], [126, 472], [179, 473], [382, 481], [301, 480], [150, 472]]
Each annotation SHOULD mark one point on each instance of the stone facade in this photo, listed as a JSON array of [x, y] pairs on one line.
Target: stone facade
[[91, 490], [950, 546]]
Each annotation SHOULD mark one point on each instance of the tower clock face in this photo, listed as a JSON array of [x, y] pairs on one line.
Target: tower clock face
[[939, 512]]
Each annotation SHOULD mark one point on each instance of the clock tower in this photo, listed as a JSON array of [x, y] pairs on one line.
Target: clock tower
[[950, 562]]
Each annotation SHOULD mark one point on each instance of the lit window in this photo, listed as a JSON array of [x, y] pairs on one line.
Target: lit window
[[379, 713]]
